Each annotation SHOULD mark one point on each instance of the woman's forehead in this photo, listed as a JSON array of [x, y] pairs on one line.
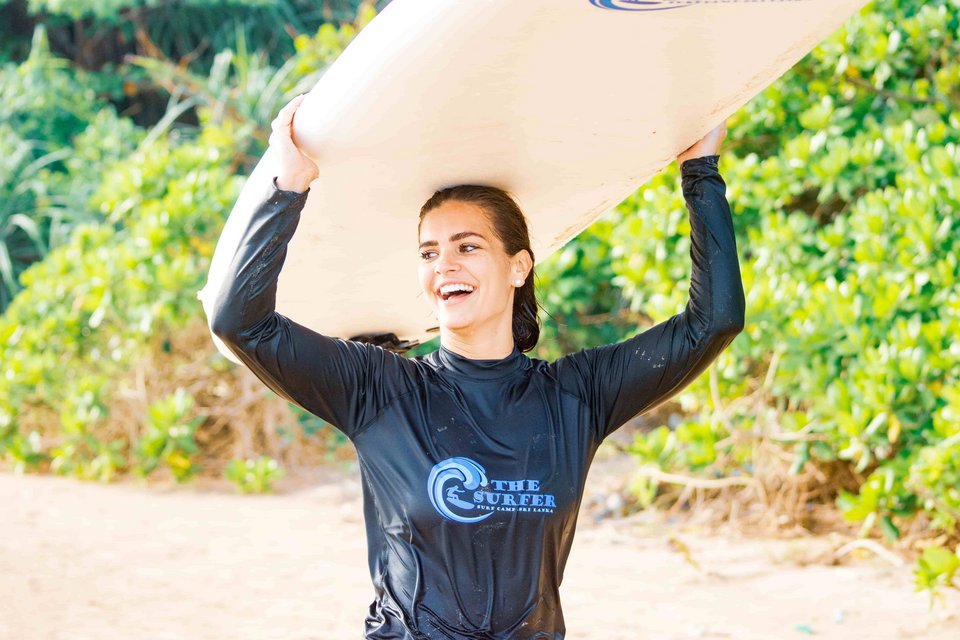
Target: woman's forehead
[[453, 217]]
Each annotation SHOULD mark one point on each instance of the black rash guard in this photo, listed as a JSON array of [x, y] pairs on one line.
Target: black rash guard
[[473, 470]]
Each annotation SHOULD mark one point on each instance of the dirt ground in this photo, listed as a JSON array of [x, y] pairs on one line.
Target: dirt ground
[[83, 561]]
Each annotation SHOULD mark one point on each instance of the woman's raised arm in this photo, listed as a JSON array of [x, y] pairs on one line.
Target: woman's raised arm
[[346, 383], [621, 380]]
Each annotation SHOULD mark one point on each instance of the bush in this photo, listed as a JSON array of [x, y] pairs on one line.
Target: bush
[[254, 476], [90, 310], [845, 187], [55, 135], [169, 437]]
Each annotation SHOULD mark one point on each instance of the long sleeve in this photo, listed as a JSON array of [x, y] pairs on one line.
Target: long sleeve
[[621, 380], [343, 382]]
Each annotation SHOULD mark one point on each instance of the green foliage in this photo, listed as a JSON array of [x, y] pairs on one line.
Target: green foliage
[[844, 179], [116, 10], [936, 569], [113, 9], [243, 87], [319, 51], [88, 310], [169, 437], [55, 135], [100, 32], [254, 476], [582, 306], [46, 99], [80, 453]]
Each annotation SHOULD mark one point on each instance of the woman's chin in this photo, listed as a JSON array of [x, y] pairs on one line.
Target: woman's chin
[[456, 317], [452, 322]]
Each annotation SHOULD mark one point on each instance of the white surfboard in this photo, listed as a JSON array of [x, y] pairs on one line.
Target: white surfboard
[[570, 105]]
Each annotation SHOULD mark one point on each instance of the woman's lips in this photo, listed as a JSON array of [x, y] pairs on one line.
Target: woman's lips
[[454, 300]]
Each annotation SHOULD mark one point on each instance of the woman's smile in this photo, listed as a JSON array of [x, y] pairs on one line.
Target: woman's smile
[[451, 293], [447, 289]]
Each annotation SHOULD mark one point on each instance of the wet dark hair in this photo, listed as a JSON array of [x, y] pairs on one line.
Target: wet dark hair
[[511, 228]]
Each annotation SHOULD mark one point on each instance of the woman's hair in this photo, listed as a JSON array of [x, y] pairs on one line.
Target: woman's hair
[[511, 228]]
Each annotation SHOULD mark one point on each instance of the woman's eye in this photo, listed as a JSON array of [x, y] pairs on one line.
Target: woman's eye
[[430, 254]]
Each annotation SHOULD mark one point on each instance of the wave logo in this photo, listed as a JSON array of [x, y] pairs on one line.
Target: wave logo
[[664, 5], [642, 5], [450, 482]]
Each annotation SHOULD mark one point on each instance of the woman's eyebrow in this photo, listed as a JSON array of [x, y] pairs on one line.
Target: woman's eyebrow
[[457, 236]]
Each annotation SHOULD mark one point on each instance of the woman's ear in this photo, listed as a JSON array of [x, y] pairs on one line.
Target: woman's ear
[[522, 264]]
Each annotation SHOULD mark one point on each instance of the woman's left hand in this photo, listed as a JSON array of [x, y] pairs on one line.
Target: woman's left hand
[[708, 145]]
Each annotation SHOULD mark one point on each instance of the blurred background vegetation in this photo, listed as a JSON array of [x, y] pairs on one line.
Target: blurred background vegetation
[[127, 126]]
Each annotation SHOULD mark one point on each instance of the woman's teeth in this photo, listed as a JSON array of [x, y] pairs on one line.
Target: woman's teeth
[[455, 289]]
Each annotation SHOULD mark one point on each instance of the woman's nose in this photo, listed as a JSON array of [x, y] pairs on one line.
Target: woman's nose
[[445, 262]]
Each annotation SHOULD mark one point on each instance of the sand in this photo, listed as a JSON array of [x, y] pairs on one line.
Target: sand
[[84, 561]]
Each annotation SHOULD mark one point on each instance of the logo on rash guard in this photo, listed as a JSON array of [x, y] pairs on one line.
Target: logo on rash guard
[[459, 491]]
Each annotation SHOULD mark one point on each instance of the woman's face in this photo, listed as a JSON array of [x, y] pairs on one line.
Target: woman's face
[[465, 273]]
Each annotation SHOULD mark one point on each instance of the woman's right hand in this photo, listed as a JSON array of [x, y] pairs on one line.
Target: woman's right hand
[[295, 171]]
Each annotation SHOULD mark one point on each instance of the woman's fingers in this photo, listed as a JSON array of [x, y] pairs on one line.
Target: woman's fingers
[[707, 145], [295, 171], [713, 138], [720, 132], [281, 128], [284, 118]]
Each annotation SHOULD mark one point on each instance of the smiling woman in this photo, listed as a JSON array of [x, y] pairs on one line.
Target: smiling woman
[[474, 457], [486, 251]]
